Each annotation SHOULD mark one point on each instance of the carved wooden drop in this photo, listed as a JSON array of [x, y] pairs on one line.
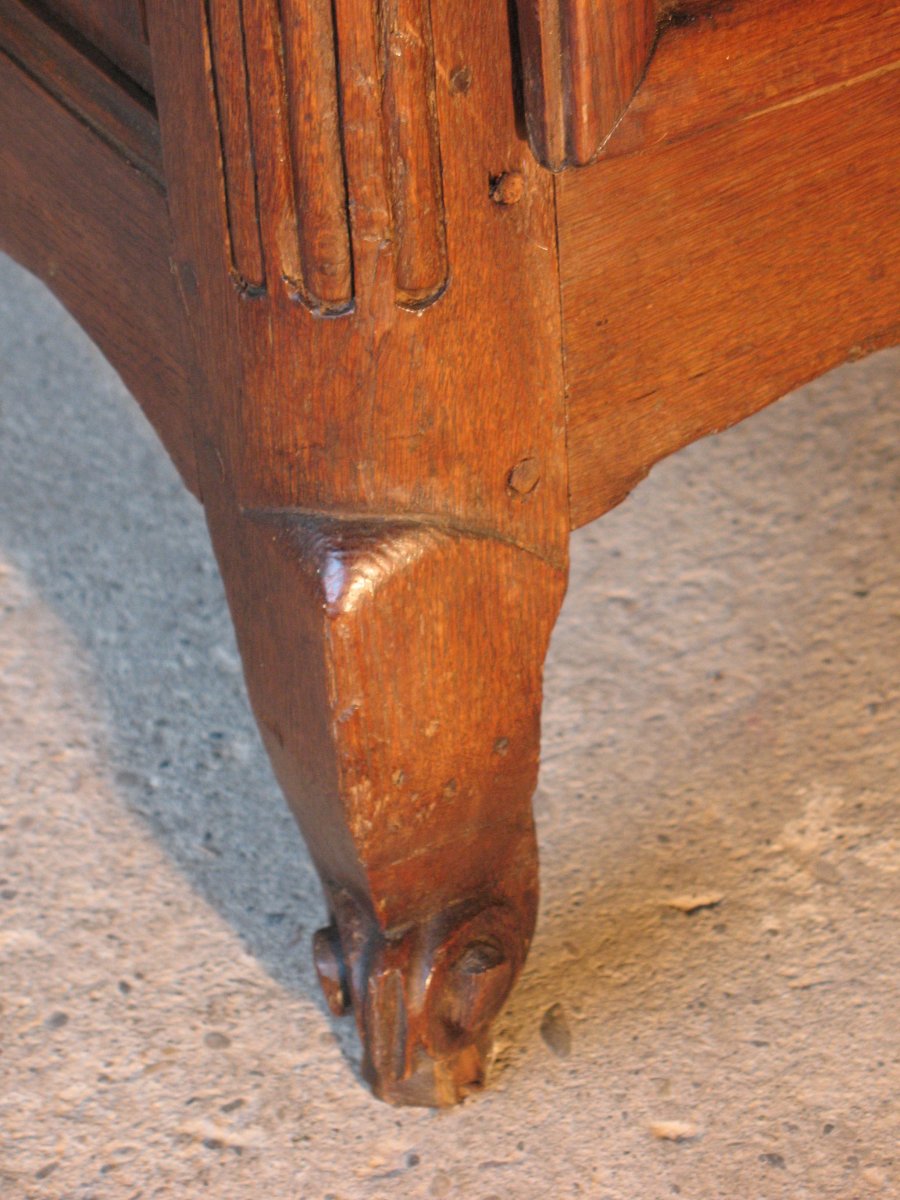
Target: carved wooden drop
[[581, 63], [315, 138]]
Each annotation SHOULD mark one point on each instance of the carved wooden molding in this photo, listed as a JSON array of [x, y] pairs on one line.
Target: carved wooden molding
[[581, 63], [85, 83], [328, 134], [367, 410]]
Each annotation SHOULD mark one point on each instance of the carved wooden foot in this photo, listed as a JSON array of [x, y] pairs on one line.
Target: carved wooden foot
[[365, 249], [395, 670]]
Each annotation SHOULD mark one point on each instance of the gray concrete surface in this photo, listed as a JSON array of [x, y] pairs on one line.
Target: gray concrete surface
[[722, 722]]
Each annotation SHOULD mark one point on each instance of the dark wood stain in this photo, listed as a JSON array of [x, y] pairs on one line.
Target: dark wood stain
[[398, 359]]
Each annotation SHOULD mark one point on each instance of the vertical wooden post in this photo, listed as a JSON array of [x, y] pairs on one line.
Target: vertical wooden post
[[381, 448]]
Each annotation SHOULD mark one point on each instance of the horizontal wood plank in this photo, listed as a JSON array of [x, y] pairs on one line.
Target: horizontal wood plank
[[83, 82], [96, 231], [724, 62], [705, 277], [115, 27]]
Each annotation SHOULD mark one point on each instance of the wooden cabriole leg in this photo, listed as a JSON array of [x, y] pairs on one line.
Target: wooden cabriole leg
[[394, 667], [326, 263], [366, 251]]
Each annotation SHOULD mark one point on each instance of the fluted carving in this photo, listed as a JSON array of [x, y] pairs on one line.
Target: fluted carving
[[307, 171]]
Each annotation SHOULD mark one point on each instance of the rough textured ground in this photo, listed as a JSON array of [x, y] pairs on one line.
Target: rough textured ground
[[722, 722]]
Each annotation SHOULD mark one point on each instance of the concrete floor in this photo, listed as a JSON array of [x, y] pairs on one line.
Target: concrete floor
[[722, 722]]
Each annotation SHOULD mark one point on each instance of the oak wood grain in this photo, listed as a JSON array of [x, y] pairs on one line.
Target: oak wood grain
[[581, 61], [85, 83], [382, 409], [413, 149], [719, 63], [706, 277], [97, 232], [231, 87], [394, 667], [309, 40], [116, 27], [385, 488]]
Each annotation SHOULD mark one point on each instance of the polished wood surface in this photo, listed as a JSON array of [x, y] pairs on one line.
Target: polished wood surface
[[387, 406], [398, 357], [735, 240], [76, 212], [581, 61], [383, 471], [118, 28], [720, 64], [394, 667], [84, 84]]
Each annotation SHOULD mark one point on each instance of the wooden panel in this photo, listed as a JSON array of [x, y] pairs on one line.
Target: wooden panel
[[705, 278], [117, 111], [115, 27], [728, 62], [96, 231]]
